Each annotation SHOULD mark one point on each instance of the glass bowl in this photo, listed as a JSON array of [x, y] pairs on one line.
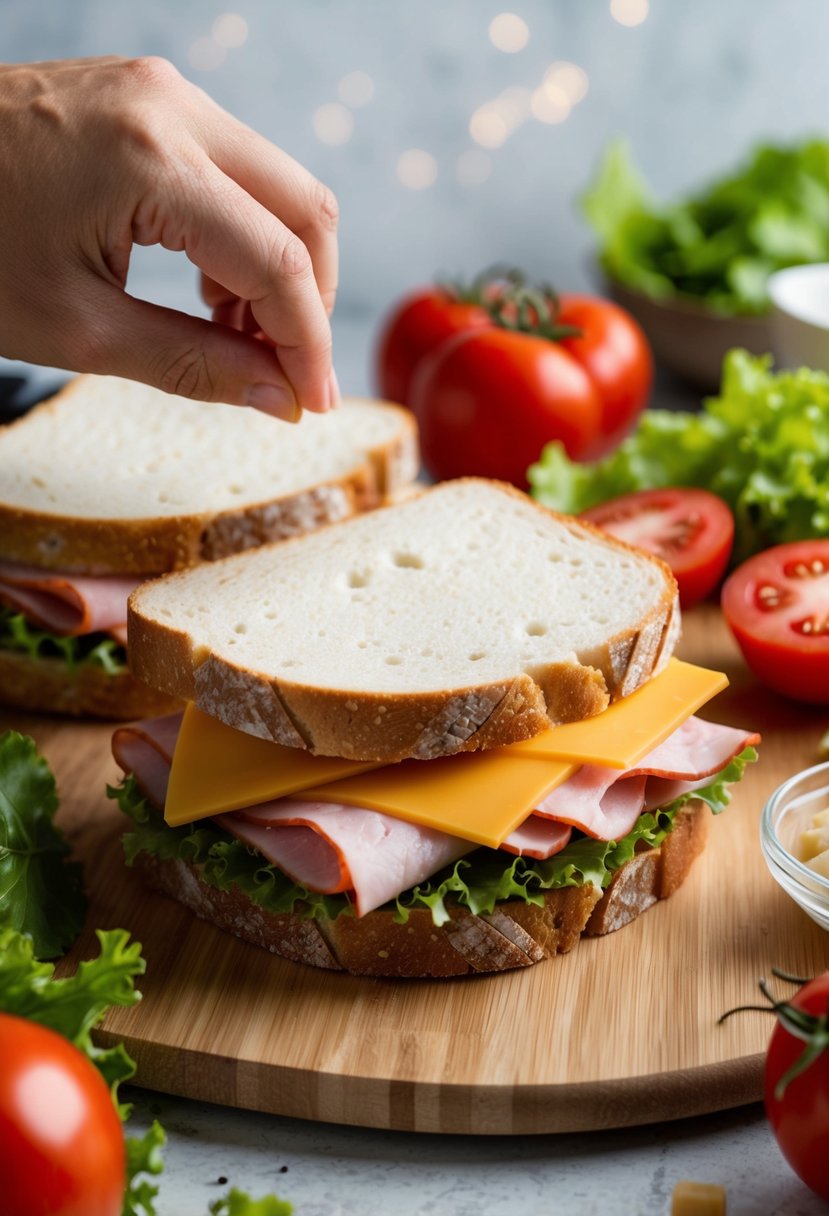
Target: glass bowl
[[786, 814]]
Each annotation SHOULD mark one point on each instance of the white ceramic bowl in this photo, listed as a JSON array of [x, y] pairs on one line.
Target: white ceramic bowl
[[786, 814], [800, 316]]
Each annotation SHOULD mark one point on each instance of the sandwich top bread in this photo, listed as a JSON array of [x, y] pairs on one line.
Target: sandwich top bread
[[528, 769], [111, 482], [465, 617]]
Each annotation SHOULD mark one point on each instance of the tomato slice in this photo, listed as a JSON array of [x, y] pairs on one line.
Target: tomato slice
[[777, 606], [691, 530]]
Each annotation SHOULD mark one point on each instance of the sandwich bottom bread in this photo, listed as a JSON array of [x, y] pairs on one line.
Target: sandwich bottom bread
[[446, 737]]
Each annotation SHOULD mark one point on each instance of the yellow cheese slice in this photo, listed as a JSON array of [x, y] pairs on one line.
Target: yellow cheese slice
[[630, 728], [217, 769], [480, 796]]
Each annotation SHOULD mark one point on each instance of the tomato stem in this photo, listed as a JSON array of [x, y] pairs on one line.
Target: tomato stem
[[811, 1028], [512, 303]]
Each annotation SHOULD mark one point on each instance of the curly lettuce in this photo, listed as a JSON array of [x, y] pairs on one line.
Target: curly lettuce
[[762, 445], [477, 881], [90, 649], [720, 245]]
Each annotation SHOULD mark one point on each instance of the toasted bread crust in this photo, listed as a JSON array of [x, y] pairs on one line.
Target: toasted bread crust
[[402, 725], [515, 934], [153, 546], [48, 686]]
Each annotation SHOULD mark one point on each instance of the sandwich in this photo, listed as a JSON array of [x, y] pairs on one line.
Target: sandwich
[[112, 482], [446, 737]]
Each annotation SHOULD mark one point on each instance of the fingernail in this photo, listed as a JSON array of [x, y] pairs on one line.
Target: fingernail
[[333, 390], [275, 399]]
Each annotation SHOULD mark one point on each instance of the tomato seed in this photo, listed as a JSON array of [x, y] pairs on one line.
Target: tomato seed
[[810, 626]]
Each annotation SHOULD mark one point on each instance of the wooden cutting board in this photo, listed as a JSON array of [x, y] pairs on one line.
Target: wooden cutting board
[[621, 1031]]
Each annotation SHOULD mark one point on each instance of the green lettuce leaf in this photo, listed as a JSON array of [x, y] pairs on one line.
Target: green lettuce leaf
[[476, 882], [145, 1160], [90, 649], [226, 861], [41, 893], [237, 1203], [719, 245], [762, 445]]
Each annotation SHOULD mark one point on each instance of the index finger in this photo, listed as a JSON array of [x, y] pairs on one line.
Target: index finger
[[281, 184], [239, 244]]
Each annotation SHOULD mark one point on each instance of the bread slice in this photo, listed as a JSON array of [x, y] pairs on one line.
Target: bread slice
[[465, 617], [49, 685], [515, 934], [114, 477]]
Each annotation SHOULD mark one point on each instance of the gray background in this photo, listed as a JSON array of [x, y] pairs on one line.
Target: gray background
[[692, 87]]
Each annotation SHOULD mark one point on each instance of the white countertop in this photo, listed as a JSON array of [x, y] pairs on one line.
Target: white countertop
[[326, 1170]]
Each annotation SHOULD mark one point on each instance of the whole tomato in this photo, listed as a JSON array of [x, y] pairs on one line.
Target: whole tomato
[[614, 352], [487, 402], [527, 367], [419, 324], [797, 1085], [62, 1147]]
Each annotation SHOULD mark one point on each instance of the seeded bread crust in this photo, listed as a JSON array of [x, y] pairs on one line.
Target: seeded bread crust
[[156, 545], [421, 725], [514, 935], [48, 686]]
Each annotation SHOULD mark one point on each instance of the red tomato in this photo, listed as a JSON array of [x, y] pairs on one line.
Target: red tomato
[[487, 401], [691, 530], [800, 1115], [777, 605], [61, 1143], [420, 324], [615, 354]]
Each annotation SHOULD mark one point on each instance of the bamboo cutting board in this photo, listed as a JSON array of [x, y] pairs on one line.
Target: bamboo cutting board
[[619, 1032]]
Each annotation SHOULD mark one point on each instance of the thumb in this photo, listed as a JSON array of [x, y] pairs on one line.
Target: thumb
[[185, 355]]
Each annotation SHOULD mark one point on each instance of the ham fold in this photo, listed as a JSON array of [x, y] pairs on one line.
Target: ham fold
[[327, 847], [67, 604]]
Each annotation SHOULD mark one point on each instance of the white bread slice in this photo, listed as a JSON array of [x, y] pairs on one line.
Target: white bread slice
[[114, 477], [515, 934], [465, 617]]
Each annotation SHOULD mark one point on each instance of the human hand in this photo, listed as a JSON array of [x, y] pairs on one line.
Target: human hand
[[101, 154]]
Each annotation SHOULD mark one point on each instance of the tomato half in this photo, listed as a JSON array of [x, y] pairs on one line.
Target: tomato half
[[419, 324], [800, 1115], [488, 400], [61, 1143], [777, 606], [615, 353], [691, 530]]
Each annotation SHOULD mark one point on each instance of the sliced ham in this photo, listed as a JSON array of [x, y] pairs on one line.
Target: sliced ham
[[538, 838], [605, 803], [67, 604], [375, 856], [145, 749], [328, 847]]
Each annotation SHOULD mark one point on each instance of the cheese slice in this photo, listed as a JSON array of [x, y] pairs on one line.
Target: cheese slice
[[481, 796], [630, 728], [217, 769]]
